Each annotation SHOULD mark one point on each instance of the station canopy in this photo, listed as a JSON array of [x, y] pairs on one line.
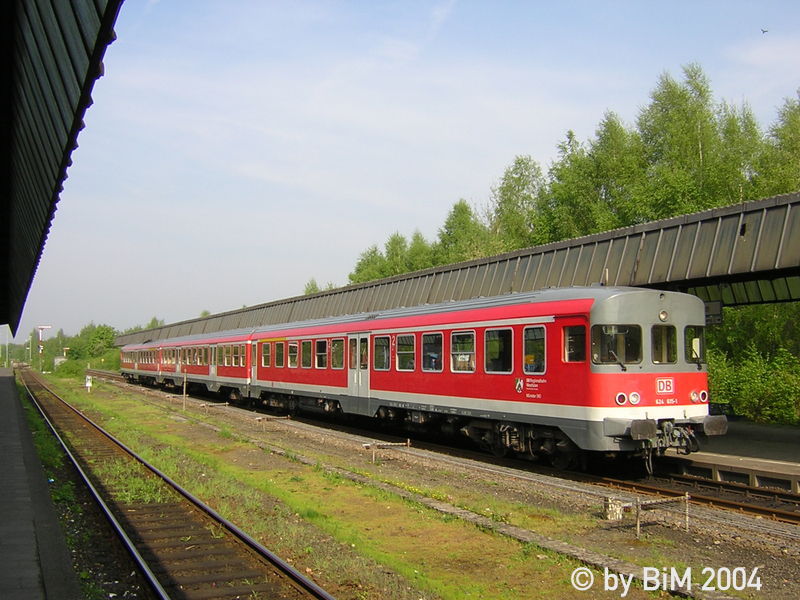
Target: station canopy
[[53, 55]]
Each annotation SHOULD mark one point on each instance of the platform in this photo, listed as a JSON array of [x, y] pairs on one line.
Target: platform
[[750, 453], [34, 559]]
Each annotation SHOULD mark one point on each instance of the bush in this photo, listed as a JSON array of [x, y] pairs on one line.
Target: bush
[[765, 390]]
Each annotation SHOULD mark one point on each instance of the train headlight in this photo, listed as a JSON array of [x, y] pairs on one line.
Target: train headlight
[[663, 316], [621, 399], [635, 398], [703, 396], [694, 396]]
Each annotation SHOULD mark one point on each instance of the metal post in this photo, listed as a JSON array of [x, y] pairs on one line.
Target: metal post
[[686, 499], [638, 517]]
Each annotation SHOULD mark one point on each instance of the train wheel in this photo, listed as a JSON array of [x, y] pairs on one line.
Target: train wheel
[[564, 460], [499, 450]]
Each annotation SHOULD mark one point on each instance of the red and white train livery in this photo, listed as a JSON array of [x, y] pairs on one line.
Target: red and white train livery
[[550, 373]]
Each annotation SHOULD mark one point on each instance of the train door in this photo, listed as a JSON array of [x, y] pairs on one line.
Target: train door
[[358, 364], [253, 362]]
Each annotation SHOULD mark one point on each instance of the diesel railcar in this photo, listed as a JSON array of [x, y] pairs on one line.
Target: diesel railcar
[[552, 373]]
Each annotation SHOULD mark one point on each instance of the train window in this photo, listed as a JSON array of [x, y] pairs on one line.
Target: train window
[[498, 345], [380, 353], [293, 351], [353, 353], [363, 350], [235, 356], [243, 356], [322, 354], [575, 343], [405, 352], [337, 354], [664, 344], [694, 344], [616, 344], [432, 352], [280, 348], [266, 354], [462, 351], [305, 354], [534, 361]]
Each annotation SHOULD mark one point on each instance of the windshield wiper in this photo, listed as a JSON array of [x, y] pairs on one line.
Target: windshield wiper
[[616, 358]]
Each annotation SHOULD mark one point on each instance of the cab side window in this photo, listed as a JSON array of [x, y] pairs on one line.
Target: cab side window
[[575, 343]]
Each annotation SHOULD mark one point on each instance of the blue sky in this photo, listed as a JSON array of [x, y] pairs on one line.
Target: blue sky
[[237, 149]]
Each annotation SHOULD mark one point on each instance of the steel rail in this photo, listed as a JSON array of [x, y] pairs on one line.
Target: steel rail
[[285, 568], [130, 547]]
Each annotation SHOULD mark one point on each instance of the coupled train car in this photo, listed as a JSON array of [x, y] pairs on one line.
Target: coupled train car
[[553, 373]]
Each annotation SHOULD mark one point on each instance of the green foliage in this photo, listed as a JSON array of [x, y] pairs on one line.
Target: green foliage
[[462, 237], [765, 390], [514, 216]]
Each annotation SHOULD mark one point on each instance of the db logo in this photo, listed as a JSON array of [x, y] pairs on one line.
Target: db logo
[[665, 385]]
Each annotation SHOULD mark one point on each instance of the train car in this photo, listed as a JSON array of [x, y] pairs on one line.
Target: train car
[[552, 373]]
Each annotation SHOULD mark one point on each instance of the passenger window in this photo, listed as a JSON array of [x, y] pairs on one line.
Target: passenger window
[[353, 353], [380, 357], [694, 344], [664, 344], [405, 352], [337, 354], [363, 361], [305, 354], [498, 346], [575, 343], [280, 348], [293, 350], [432, 352], [616, 344], [322, 354], [266, 354], [462, 352], [534, 361]]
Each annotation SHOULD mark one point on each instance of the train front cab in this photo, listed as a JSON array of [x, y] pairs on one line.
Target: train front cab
[[649, 379]]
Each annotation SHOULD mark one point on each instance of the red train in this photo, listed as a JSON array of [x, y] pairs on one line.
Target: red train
[[550, 373]]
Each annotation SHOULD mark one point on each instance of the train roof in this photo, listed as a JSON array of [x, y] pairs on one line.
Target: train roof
[[594, 293]]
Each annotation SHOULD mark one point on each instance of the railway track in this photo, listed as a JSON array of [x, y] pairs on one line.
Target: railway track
[[758, 501], [184, 549]]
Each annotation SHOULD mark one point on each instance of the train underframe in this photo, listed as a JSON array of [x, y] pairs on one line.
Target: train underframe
[[644, 438]]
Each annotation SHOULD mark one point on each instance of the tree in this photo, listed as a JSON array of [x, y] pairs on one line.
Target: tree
[[371, 265], [682, 147], [513, 213], [395, 255], [779, 165], [420, 253], [462, 237], [311, 287]]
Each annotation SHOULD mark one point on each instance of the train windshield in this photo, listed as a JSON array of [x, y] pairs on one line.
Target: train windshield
[[694, 344], [616, 344]]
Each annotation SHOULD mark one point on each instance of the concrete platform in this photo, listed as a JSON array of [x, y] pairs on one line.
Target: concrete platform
[[34, 559], [773, 442], [753, 454]]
